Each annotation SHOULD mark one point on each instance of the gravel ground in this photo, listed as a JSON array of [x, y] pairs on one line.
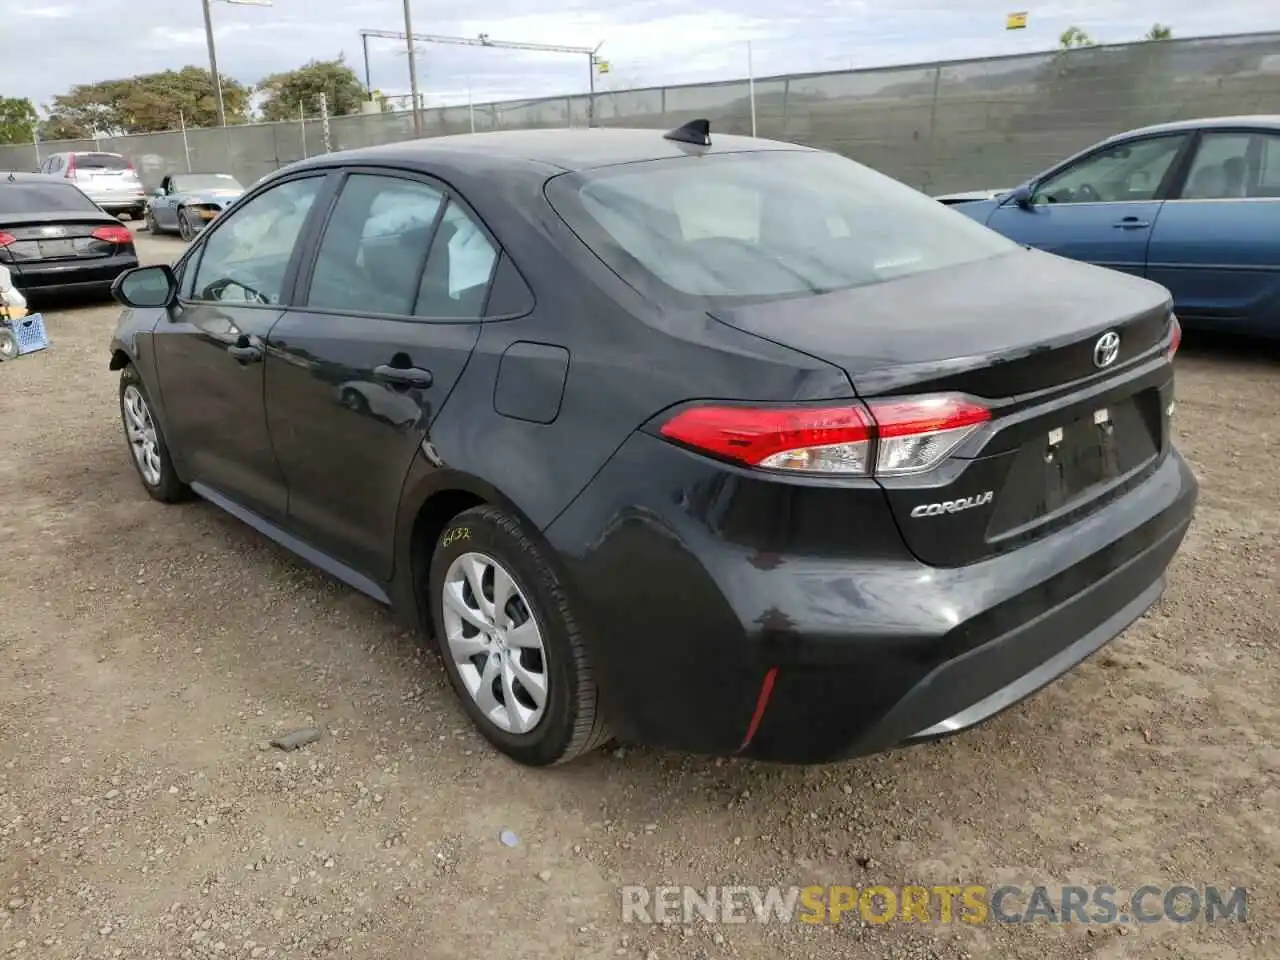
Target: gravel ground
[[147, 655]]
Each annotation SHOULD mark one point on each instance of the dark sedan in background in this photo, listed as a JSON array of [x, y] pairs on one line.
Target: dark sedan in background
[[186, 203], [1192, 205], [713, 443], [55, 240]]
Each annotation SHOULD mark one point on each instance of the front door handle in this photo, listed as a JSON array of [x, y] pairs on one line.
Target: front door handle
[[1131, 223], [247, 353], [404, 376]]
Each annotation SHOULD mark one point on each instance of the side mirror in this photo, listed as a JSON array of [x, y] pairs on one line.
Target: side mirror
[[1020, 196], [158, 192], [146, 287]]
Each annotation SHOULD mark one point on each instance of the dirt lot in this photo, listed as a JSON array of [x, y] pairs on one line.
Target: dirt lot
[[148, 653]]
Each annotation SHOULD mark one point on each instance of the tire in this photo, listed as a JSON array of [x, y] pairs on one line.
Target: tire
[[8, 344], [185, 230], [158, 476], [571, 721], [152, 227]]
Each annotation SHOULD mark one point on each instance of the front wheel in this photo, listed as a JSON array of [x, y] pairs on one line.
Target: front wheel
[[185, 229], [152, 227], [146, 442], [510, 643]]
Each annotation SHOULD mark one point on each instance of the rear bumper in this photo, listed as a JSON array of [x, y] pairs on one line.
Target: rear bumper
[[862, 654], [118, 204], [71, 276]]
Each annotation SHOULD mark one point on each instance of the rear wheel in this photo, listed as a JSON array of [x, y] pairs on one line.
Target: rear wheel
[[510, 643], [185, 229], [146, 441]]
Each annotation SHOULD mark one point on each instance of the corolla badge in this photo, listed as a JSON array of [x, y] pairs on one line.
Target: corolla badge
[[1106, 349], [953, 506]]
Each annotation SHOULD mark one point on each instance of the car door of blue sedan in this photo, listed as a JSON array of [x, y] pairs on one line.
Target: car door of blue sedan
[[1217, 243], [1099, 207]]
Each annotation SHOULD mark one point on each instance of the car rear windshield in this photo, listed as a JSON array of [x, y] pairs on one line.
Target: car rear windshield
[[101, 161], [206, 181], [51, 197], [764, 224]]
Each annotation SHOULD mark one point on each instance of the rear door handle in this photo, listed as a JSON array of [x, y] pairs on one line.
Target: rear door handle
[[1131, 223], [405, 376], [245, 354]]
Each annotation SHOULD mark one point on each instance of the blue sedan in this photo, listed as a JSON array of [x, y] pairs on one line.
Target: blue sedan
[[1192, 205]]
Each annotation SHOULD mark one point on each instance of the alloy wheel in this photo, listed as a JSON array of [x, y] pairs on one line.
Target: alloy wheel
[[495, 642], [184, 227], [144, 440]]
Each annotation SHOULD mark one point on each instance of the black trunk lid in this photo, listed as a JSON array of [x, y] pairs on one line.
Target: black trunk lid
[[1068, 357]]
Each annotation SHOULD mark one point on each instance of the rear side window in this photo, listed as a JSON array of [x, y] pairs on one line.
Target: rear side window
[[52, 197], [374, 247], [101, 161], [398, 247], [763, 225]]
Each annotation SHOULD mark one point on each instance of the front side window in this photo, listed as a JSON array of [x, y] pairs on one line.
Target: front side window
[[764, 224], [1124, 172], [374, 246], [247, 254]]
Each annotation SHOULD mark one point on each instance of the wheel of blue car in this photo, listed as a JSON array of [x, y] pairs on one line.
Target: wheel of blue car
[[510, 642], [147, 445], [152, 226], [185, 229]]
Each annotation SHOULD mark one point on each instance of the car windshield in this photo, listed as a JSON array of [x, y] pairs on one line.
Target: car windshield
[[765, 224], [206, 181], [51, 197]]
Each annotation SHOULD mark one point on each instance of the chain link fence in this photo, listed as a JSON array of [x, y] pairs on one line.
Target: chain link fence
[[940, 127]]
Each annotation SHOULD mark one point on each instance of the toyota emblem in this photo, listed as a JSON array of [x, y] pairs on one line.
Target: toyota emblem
[[1106, 349]]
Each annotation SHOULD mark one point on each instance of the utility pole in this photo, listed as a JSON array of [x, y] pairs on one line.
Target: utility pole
[[213, 62], [368, 77], [213, 49], [413, 68]]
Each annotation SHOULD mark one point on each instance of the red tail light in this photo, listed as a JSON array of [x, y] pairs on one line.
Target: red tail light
[[113, 235], [882, 438], [6, 239], [1175, 338], [71, 167]]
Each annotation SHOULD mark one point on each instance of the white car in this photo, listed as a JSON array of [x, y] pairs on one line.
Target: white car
[[108, 179]]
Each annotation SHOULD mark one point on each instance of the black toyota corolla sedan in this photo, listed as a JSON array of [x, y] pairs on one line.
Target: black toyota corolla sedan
[[705, 442]]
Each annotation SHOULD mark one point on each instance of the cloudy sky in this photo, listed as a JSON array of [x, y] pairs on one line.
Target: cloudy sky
[[53, 44]]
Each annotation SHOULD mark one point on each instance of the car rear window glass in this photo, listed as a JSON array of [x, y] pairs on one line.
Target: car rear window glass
[[51, 197], [101, 161], [764, 224]]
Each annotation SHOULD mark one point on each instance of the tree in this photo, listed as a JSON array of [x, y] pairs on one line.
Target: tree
[[342, 89], [17, 120], [1074, 37], [149, 103], [1159, 31], [56, 127]]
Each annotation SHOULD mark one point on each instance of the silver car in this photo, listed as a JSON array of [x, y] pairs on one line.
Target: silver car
[[189, 202], [108, 179]]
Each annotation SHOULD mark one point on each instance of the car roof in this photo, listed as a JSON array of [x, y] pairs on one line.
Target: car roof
[[1261, 120], [566, 149]]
